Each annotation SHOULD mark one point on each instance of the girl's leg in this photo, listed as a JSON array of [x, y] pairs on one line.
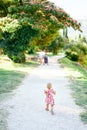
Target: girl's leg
[[47, 107], [52, 107]]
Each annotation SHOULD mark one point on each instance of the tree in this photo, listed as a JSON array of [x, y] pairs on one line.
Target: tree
[[4, 4], [16, 41], [57, 44], [34, 16]]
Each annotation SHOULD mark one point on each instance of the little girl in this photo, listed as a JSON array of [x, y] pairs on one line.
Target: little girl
[[49, 97]]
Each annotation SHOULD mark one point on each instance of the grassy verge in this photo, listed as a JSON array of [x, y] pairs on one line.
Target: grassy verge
[[3, 119], [11, 75], [78, 76]]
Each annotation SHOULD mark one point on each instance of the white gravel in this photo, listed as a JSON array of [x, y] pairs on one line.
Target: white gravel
[[27, 106]]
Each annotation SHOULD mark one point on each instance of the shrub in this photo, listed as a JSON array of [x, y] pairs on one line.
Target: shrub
[[68, 52], [17, 58], [82, 47], [74, 56], [16, 43]]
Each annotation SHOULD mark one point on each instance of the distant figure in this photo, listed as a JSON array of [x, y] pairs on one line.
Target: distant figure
[[49, 98], [46, 59], [40, 56]]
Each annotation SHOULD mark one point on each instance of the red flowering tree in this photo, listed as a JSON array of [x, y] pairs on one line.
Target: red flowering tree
[[32, 22]]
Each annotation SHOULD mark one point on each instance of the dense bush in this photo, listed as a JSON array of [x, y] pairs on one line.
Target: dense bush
[[77, 52], [72, 52], [15, 44], [82, 47], [72, 55]]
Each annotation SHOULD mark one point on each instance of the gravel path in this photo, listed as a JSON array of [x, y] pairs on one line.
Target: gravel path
[[27, 107]]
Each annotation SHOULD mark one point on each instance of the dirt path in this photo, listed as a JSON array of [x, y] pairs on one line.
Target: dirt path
[[27, 107]]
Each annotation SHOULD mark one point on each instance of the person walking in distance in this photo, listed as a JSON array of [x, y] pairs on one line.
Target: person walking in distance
[[45, 59], [41, 56]]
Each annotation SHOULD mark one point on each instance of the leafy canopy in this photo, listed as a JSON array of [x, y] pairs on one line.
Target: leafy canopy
[[26, 21]]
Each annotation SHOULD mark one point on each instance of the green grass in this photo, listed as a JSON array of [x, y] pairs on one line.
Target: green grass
[[12, 74], [84, 117], [9, 79], [78, 84], [3, 119]]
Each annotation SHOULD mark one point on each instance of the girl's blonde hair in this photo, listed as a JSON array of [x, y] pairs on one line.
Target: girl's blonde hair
[[49, 85]]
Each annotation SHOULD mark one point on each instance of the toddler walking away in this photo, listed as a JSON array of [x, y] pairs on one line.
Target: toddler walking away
[[49, 97]]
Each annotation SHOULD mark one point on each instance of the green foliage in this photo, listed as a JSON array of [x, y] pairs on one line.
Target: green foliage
[[31, 49], [4, 4], [41, 13], [82, 47], [77, 52], [7, 78], [72, 52], [82, 39], [25, 20], [57, 44], [1, 37], [84, 117], [15, 42], [11, 74], [72, 55]]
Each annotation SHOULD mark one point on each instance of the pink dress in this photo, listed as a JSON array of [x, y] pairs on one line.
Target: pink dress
[[49, 96]]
